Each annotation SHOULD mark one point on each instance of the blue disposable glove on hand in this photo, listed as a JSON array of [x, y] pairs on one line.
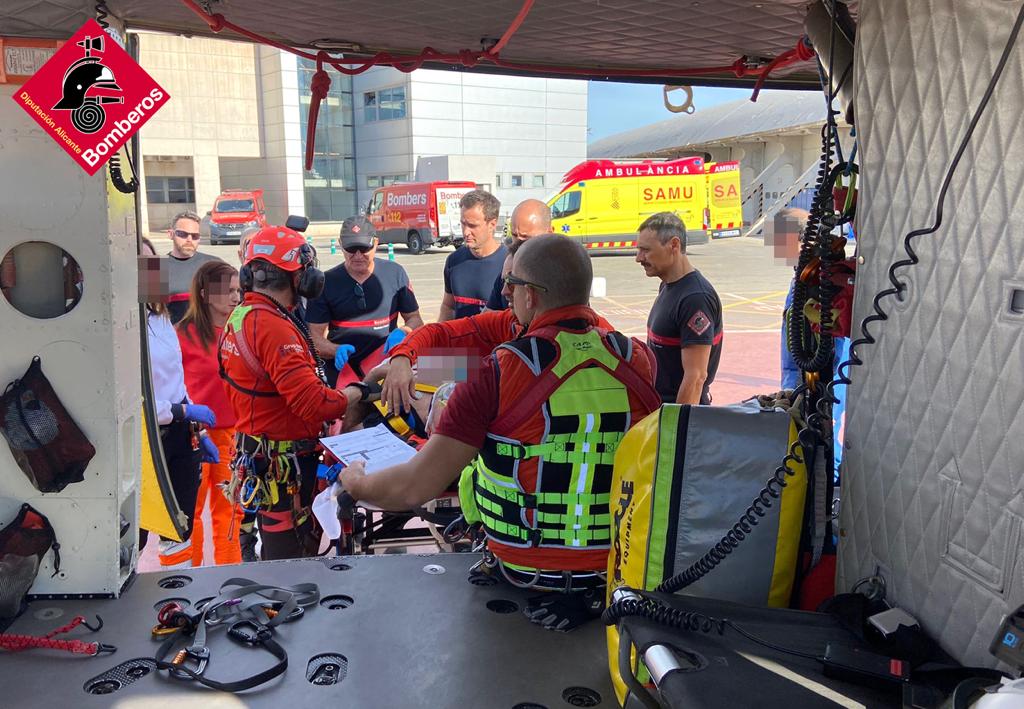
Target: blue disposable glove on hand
[[211, 454], [200, 414], [396, 336], [342, 355]]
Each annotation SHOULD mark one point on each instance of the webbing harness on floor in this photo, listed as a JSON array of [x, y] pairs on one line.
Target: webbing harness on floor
[[251, 611]]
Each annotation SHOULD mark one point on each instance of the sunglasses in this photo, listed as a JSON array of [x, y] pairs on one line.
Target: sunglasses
[[360, 297], [182, 234], [512, 281], [358, 249]]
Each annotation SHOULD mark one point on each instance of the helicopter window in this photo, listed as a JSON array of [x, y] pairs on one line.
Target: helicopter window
[[41, 279]]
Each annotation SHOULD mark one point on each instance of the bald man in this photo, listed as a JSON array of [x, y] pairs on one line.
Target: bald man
[[558, 399], [530, 218]]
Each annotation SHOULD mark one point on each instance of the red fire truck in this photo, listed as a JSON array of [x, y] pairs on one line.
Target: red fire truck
[[419, 214]]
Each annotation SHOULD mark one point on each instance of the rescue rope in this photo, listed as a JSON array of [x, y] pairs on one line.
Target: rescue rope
[[801, 53], [741, 68], [13, 642]]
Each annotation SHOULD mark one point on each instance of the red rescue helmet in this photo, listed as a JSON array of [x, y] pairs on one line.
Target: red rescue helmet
[[286, 249], [280, 246]]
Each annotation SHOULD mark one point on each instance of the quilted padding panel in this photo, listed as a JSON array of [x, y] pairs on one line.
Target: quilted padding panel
[[591, 33], [933, 490]]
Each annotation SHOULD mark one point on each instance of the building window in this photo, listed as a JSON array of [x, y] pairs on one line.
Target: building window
[[497, 180], [170, 190], [538, 180], [330, 187], [384, 105], [374, 181], [517, 180]]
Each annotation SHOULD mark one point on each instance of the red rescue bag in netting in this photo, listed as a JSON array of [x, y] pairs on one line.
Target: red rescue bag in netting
[[23, 544], [48, 445]]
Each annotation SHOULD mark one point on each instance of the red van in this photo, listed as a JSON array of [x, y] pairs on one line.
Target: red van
[[419, 214], [234, 211]]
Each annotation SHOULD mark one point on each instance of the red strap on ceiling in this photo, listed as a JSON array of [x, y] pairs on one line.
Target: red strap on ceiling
[[801, 53], [318, 88], [741, 68]]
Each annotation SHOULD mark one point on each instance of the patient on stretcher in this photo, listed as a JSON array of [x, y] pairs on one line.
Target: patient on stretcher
[[411, 426]]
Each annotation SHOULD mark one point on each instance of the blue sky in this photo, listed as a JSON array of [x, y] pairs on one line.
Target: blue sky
[[614, 108]]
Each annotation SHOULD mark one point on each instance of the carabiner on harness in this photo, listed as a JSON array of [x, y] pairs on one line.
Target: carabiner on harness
[[212, 615], [253, 493], [258, 635], [198, 655]]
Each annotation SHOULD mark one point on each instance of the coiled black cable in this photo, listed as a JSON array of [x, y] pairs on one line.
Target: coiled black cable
[[114, 163], [656, 611], [811, 355], [102, 13], [662, 614]]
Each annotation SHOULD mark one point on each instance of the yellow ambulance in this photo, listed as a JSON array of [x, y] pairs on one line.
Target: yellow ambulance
[[725, 203], [602, 202]]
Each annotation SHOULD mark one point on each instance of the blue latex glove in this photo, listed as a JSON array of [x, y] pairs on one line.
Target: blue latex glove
[[200, 414], [211, 454], [342, 355], [396, 336], [328, 473]]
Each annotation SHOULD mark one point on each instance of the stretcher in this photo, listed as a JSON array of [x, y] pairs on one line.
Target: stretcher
[[367, 528]]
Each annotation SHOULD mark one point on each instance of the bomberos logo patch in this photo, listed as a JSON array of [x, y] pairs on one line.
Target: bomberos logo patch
[[91, 97]]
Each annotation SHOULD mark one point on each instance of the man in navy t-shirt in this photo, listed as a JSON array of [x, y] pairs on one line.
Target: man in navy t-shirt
[[684, 329], [361, 301], [470, 272]]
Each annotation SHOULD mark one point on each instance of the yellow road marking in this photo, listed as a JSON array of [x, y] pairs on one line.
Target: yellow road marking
[[746, 301]]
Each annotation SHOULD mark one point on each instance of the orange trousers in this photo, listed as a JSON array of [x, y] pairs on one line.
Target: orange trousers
[[225, 518]]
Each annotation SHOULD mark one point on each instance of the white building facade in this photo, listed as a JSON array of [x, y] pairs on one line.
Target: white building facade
[[515, 136], [237, 120]]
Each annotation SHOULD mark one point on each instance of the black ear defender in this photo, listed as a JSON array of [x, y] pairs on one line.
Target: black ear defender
[[245, 278], [311, 279]]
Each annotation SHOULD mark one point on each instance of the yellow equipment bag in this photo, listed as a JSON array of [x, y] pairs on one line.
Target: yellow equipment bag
[[683, 477]]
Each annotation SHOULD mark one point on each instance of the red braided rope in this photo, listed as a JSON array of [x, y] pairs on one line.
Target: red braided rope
[[468, 58], [801, 53], [319, 86], [75, 622], [523, 12], [16, 643]]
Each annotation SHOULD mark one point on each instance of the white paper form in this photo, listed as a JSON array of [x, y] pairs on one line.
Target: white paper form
[[378, 447]]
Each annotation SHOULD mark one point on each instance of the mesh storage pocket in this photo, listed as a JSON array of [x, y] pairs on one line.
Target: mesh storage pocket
[[23, 544], [47, 444]]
